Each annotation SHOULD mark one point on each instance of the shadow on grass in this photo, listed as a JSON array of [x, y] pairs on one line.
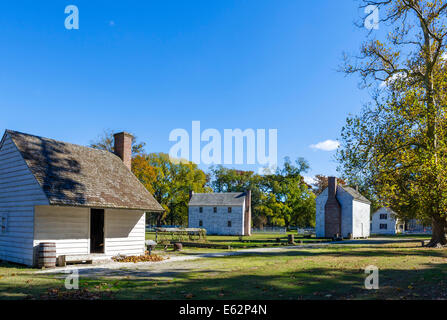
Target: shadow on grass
[[306, 281], [313, 283]]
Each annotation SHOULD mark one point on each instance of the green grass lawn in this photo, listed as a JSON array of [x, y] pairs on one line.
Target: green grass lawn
[[253, 241], [406, 271]]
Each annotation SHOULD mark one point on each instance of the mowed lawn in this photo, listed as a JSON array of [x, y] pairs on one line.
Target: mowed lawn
[[406, 271], [253, 241]]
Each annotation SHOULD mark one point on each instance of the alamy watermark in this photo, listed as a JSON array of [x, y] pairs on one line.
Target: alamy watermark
[[372, 19], [217, 151], [72, 20], [372, 280], [72, 279]]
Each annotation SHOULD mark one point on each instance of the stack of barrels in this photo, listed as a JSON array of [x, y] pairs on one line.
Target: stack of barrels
[[47, 255]]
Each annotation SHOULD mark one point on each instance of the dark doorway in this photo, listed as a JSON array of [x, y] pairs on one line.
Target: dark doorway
[[97, 231]]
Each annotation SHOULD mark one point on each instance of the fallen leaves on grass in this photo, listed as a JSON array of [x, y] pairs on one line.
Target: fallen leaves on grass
[[135, 259], [80, 294]]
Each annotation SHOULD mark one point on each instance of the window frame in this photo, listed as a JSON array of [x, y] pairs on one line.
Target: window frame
[[383, 226], [3, 222], [383, 216], [230, 209], [200, 223], [229, 225], [214, 209], [200, 209]]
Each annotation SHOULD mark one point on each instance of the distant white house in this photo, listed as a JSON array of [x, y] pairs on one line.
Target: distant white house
[[221, 213], [385, 221], [342, 211]]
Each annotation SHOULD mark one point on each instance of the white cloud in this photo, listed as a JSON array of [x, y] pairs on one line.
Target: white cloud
[[328, 145], [309, 180], [391, 79]]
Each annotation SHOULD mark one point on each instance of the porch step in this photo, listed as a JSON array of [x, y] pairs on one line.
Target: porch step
[[63, 260]]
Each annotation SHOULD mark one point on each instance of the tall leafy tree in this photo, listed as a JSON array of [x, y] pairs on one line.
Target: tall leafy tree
[[170, 182], [105, 141], [286, 198], [224, 179], [397, 145]]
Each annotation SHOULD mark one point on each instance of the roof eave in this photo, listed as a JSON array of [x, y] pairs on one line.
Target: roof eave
[[103, 206]]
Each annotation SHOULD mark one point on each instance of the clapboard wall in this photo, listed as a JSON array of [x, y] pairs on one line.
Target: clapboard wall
[[124, 232], [19, 193], [217, 222], [355, 215], [68, 227]]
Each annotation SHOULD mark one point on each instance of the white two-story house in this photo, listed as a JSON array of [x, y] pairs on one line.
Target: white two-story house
[[221, 213]]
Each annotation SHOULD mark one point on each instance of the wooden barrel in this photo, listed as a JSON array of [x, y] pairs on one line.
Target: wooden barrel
[[47, 255]]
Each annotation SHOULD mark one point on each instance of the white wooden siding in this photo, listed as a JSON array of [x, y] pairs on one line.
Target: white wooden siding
[[217, 222], [68, 227], [355, 215], [124, 232], [390, 221], [362, 220], [19, 193]]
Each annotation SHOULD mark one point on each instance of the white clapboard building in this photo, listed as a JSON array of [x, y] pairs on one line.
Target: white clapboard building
[[86, 201], [221, 213], [385, 221], [342, 211]]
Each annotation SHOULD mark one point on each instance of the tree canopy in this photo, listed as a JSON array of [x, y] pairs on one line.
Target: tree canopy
[[281, 198], [397, 145]]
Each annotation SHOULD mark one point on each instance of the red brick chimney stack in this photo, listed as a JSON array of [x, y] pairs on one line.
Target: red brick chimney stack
[[123, 147], [332, 210], [332, 187]]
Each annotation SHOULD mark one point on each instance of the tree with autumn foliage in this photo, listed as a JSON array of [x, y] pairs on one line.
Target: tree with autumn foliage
[[281, 198], [170, 182], [398, 144], [321, 183]]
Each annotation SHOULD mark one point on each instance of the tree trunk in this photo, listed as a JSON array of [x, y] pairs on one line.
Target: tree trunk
[[438, 233]]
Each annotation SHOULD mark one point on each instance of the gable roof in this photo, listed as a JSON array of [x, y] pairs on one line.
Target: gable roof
[[218, 199], [355, 194], [386, 210], [75, 175]]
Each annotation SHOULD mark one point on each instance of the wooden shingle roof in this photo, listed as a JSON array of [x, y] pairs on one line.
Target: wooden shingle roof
[[356, 195], [75, 175], [218, 199]]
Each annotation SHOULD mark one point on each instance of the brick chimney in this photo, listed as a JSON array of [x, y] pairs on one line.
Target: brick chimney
[[332, 210], [123, 147], [247, 214]]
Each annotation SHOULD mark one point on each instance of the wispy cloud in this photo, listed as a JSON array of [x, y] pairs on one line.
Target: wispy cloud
[[328, 145]]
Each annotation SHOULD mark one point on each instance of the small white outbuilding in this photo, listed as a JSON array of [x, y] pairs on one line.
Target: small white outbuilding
[[85, 201], [342, 211]]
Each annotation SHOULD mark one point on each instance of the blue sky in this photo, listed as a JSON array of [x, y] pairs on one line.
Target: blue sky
[[152, 66]]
